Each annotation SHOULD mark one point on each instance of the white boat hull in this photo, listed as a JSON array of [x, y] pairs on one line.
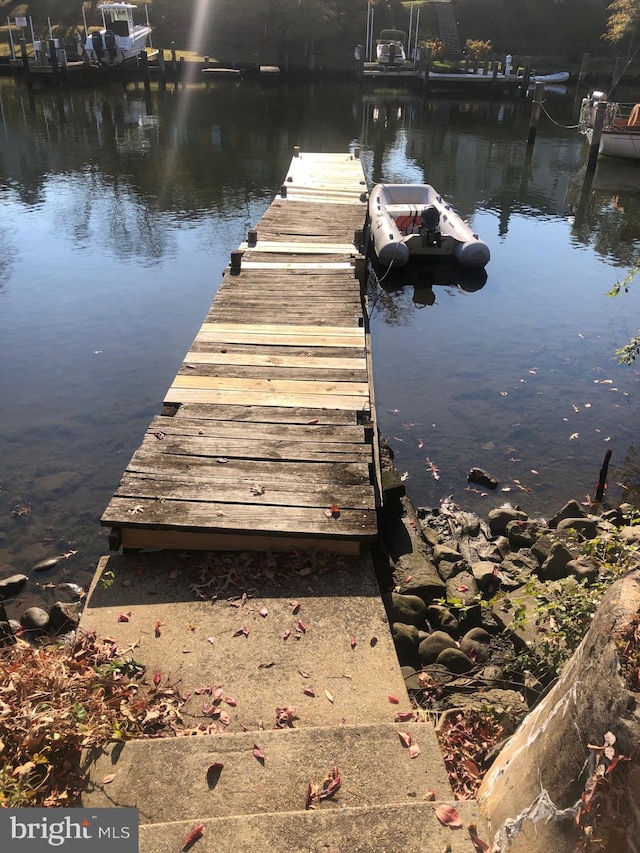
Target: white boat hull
[[120, 40], [413, 220]]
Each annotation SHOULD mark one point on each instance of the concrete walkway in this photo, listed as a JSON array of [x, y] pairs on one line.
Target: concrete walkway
[[314, 642]]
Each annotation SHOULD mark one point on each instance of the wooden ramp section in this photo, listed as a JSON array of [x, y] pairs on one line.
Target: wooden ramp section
[[265, 441]]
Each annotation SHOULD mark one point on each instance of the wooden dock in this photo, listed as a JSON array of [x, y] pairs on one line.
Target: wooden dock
[[266, 439]]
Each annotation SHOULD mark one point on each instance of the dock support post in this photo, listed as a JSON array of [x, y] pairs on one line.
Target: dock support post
[[356, 152], [296, 150], [55, 65], [583, 68], [163, 71], [526, 76], [236, 262], [252, 237], [598, 124], [535, 112], [25, 62], [144, 64]]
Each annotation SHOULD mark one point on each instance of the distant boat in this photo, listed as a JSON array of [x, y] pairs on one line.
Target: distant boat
[[620, 135], [390, 50], [120, 40], [413, 220], [558, 77]]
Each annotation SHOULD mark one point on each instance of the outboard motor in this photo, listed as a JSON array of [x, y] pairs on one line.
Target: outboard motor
[[110, 44], [97, 45], [430, 226]]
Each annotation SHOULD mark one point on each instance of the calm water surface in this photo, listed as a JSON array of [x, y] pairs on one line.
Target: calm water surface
[[118, 212]]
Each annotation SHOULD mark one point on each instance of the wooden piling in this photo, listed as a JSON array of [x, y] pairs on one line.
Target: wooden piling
[[536, 106], [596, 135]]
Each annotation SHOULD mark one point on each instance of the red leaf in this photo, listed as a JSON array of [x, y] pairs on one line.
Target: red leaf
[[429, 797], [193, 836], [124, 617], [393, 699], [405, 737], [447, 815], [258, 752], [414, 750], [354, 642], [301, 627], [308, 691], [230, 701], [157, 678], [309, 795], [240, 631], [156, 628], [263, 612], [295, 606], [286, 634], [480, 845], [403, 716], [332, 787], [463, 588], [335, 510], [304, 674]]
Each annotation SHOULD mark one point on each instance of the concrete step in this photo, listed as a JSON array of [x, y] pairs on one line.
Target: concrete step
[[398, 828], [169, 779], [337, 637]]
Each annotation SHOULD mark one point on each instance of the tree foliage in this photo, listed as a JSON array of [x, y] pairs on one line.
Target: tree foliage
[[623, 21]]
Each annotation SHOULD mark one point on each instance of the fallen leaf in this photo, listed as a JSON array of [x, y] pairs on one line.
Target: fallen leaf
[[156, 628], [403, 716], [210, 639], [414, 750], [353, 642], [231, 702], [480, 845], [240, 631], [157, 678], [304, 674], [308, 691], [329, 696], [405, 737], [124, 617], [429, 797], [263, 612], [295, 606], [393, 699], [192, 837], [258, 752], [286, 634], [109, 778], [447, 815], [301, 627]]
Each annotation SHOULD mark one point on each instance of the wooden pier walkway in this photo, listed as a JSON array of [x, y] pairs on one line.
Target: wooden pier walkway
[[266, 439]]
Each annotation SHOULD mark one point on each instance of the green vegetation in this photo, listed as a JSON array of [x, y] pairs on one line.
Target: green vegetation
[[563, 610]]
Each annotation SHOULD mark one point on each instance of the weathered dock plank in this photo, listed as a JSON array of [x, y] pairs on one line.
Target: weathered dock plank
[[266, 437]]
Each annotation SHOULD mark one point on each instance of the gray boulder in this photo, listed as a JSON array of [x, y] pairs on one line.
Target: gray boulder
[[11, 586]]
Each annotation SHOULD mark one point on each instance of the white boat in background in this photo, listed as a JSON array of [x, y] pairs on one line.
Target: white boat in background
[[120, 39], [558, 77], [390, 48], [620, 135], [413, 220]]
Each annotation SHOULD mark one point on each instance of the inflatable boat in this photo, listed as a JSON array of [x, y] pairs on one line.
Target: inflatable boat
[[413, 220]]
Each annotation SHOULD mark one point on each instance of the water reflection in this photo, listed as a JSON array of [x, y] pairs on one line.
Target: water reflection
[[606, 209], [120, 209]]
